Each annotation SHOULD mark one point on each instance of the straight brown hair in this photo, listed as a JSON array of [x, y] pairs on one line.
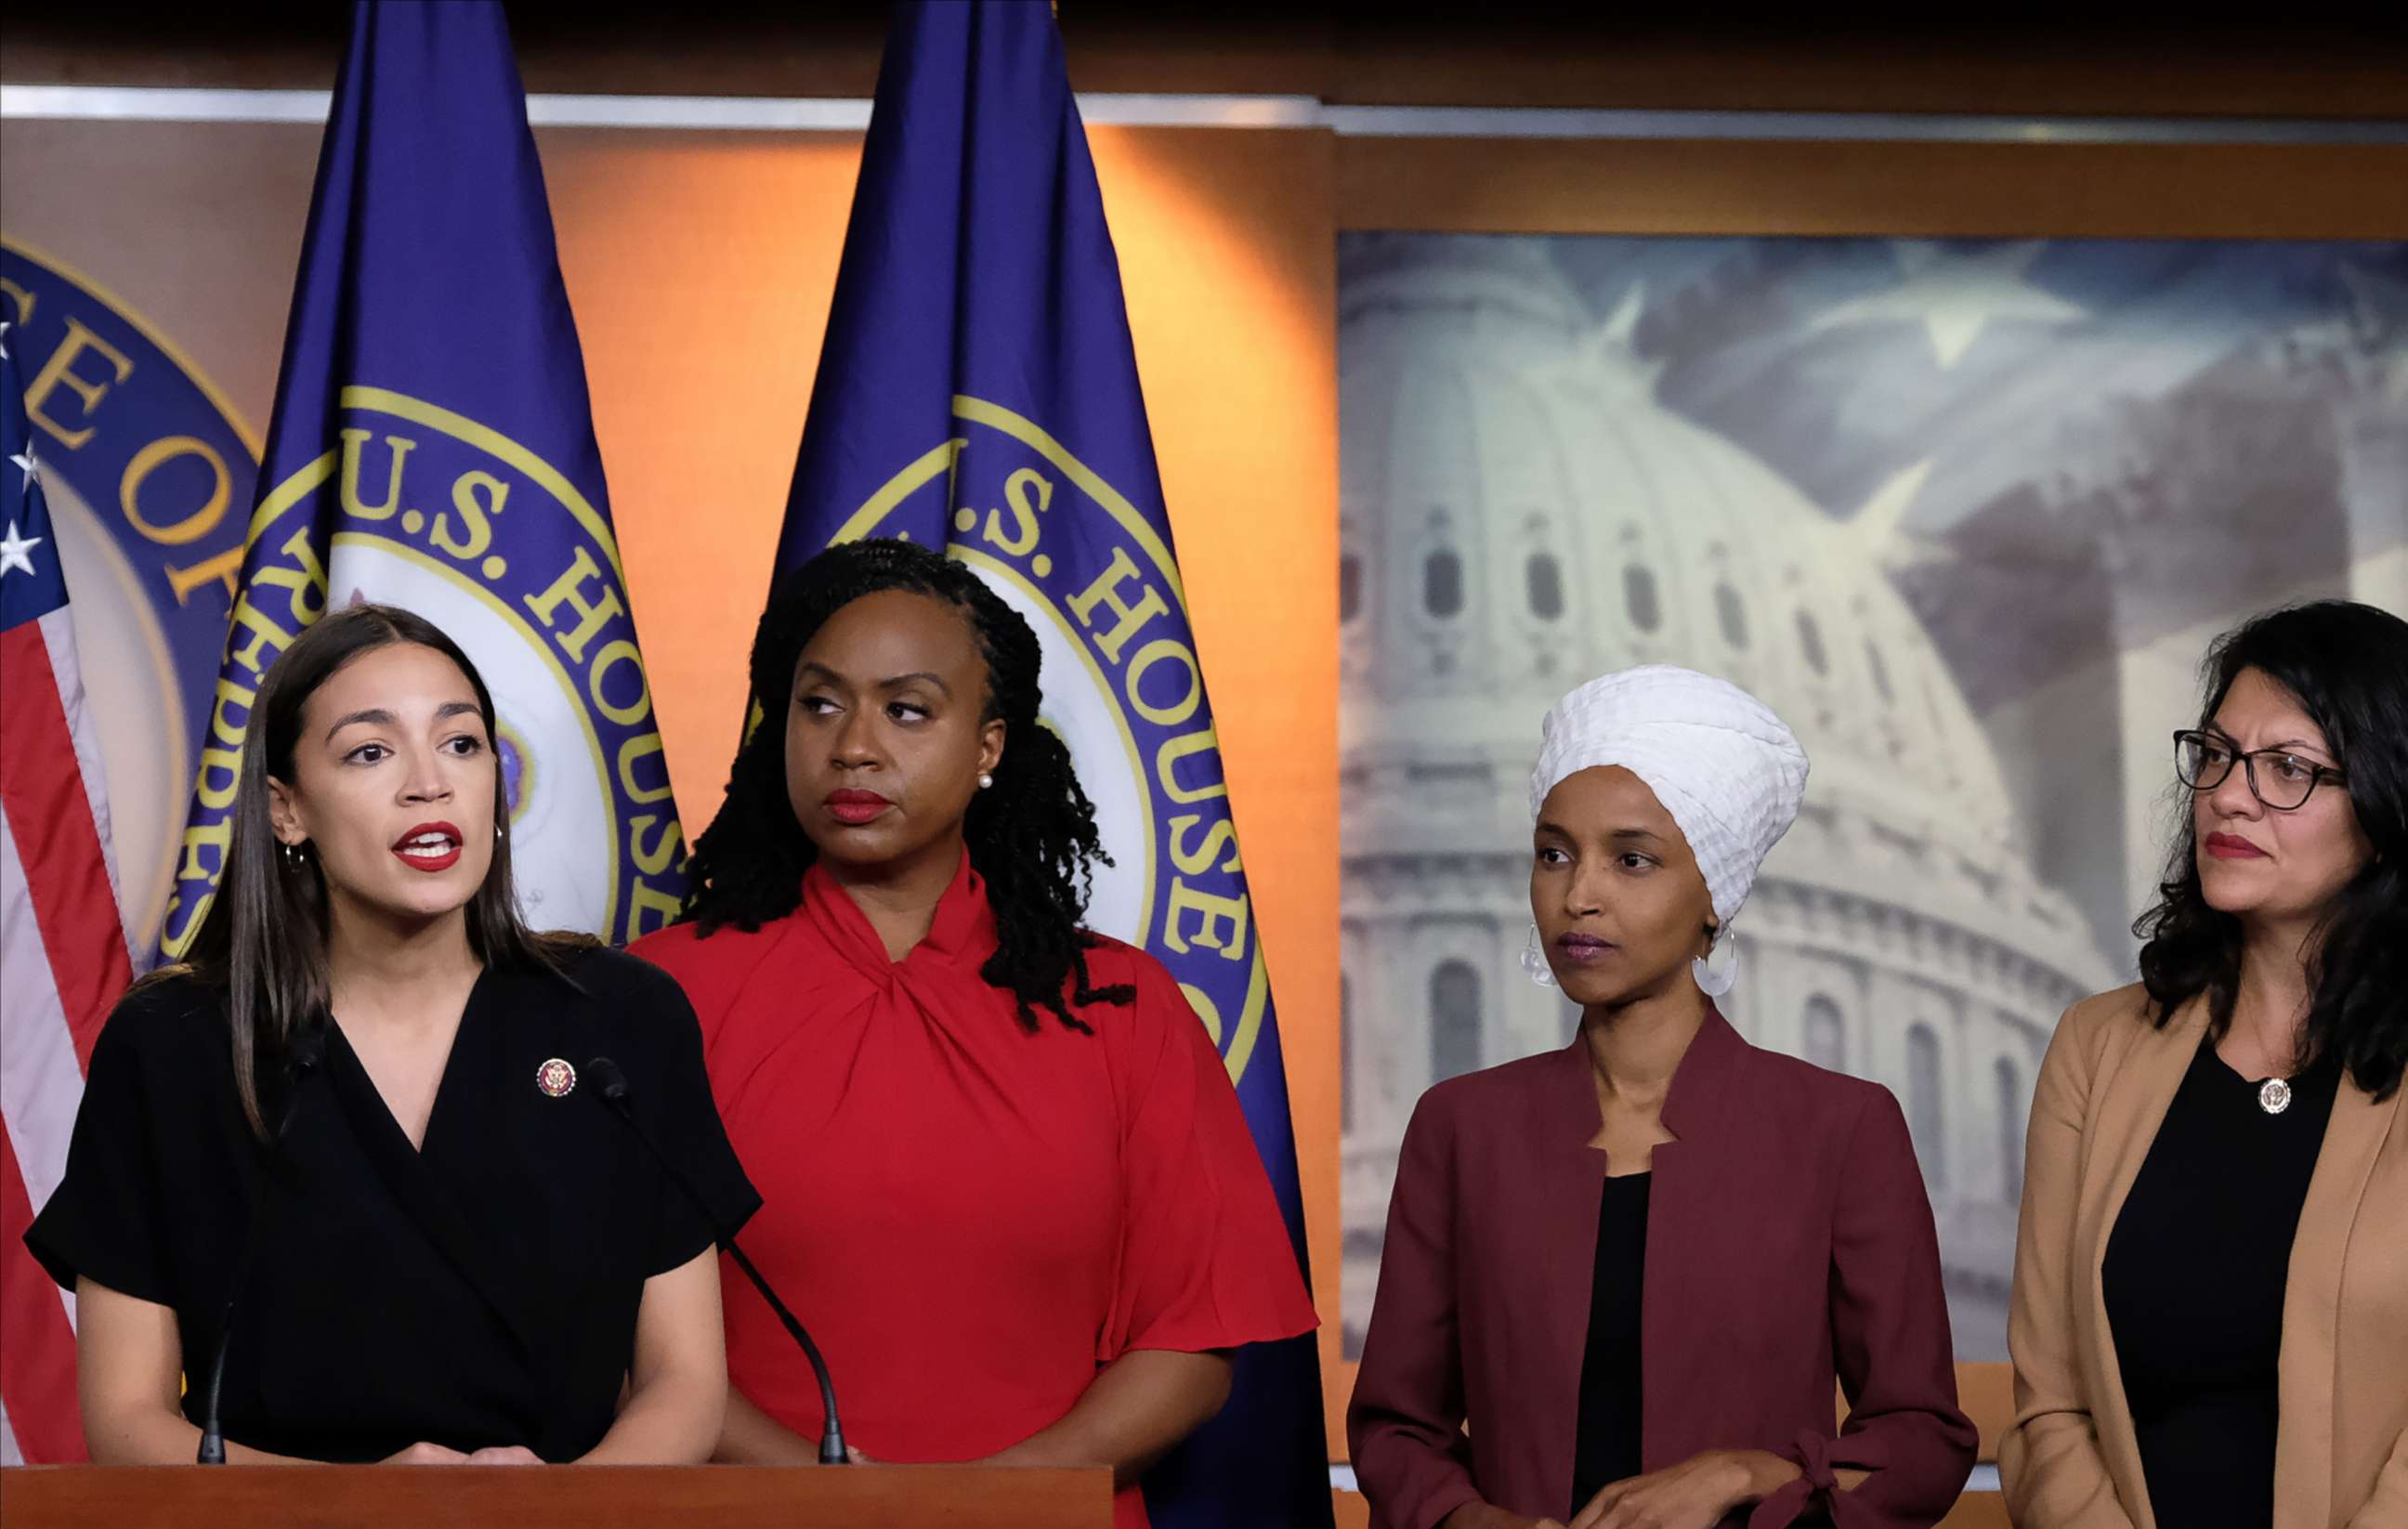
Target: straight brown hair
[[261, 943]]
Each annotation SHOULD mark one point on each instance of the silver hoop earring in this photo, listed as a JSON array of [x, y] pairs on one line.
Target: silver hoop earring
[[1717, 972], [987, 781], [1534, 962]]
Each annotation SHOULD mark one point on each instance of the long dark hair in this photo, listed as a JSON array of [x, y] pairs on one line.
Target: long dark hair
[[2347, 665], [1032, 836], [263, 940]]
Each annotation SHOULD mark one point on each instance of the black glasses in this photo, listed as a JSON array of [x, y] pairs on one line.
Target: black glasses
[[2203, 759]]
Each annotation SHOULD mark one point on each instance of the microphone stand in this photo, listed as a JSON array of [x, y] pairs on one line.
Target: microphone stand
[[307, 1050], [616, 1094]]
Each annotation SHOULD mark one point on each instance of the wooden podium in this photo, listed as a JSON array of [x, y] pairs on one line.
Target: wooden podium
[[553, 1497]]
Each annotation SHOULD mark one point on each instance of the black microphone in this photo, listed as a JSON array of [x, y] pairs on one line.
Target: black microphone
[[613, 1084], [308, 1049]]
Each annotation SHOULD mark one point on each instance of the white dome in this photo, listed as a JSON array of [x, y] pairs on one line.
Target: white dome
[[1519, 516]]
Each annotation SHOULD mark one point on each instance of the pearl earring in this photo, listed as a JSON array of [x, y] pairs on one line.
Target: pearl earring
[[985, 780]]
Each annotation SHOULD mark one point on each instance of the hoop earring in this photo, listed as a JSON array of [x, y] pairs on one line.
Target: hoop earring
[[1717, 972], [293, 857], [1534, 962]]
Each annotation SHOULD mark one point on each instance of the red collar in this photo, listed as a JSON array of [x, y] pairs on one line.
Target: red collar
[[1701, 1087], [963, 934]]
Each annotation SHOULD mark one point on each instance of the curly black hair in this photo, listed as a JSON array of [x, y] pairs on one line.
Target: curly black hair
[[2347, 665], [1032, 836]]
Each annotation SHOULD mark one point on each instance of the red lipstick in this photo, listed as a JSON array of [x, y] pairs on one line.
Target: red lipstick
[[856, 808], [2232, 846], [429, 846]]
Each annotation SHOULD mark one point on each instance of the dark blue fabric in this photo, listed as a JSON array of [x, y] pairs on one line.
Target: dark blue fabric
[[431, 411], [429, 266]]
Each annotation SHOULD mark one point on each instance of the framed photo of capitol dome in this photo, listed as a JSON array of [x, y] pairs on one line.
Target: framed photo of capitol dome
[[1965, 511]]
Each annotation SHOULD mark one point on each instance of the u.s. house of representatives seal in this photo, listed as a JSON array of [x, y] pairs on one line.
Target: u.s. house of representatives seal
[[449, 518], [1122, 689], [148, 469]]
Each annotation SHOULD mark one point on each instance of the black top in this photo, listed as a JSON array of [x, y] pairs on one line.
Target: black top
[[481, 1291], [2193, 1280], [1605, 1449]]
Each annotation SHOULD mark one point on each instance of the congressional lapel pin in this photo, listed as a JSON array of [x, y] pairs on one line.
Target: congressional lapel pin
[[555, 1077]]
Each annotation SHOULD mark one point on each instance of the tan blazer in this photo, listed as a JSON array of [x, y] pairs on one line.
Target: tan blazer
[[2069, 1459]]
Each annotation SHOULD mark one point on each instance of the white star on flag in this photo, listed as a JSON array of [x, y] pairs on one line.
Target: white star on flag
[[1955, 295], [24, 459], [16, 551], [5, 327]]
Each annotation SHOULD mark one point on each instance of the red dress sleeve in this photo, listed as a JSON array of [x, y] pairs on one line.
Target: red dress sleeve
[[1204, 1258], [712, 971]]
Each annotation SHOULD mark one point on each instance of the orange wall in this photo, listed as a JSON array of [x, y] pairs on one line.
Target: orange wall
[[701, 267]]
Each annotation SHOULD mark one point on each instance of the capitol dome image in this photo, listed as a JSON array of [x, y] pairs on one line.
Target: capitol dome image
[[1520, 514]]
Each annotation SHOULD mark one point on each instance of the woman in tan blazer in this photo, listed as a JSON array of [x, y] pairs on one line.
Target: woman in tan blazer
[[2210, 1322]]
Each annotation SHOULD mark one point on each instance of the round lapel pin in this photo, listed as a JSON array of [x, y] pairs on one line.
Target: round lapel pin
[[555, 1077]]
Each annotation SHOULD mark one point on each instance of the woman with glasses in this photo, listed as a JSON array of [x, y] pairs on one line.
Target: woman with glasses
[[2209, 1324]]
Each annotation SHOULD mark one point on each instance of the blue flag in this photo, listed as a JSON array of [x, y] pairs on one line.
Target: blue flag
[[432, 448], [978, 392]]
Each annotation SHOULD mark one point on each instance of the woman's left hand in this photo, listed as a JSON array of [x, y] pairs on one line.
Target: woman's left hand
[[1694, 1495]]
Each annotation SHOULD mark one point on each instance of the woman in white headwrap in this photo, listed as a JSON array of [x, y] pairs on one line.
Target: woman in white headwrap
[[1622, 1279]]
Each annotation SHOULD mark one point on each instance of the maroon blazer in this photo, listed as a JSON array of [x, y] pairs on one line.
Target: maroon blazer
[[1789, 1243]]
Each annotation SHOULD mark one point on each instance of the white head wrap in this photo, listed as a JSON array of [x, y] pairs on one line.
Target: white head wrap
[[1730, 772]]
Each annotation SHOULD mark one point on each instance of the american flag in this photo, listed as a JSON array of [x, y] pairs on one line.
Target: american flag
[[65, 953]]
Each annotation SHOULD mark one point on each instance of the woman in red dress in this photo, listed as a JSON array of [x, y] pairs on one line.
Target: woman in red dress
[[1007, 1180]]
